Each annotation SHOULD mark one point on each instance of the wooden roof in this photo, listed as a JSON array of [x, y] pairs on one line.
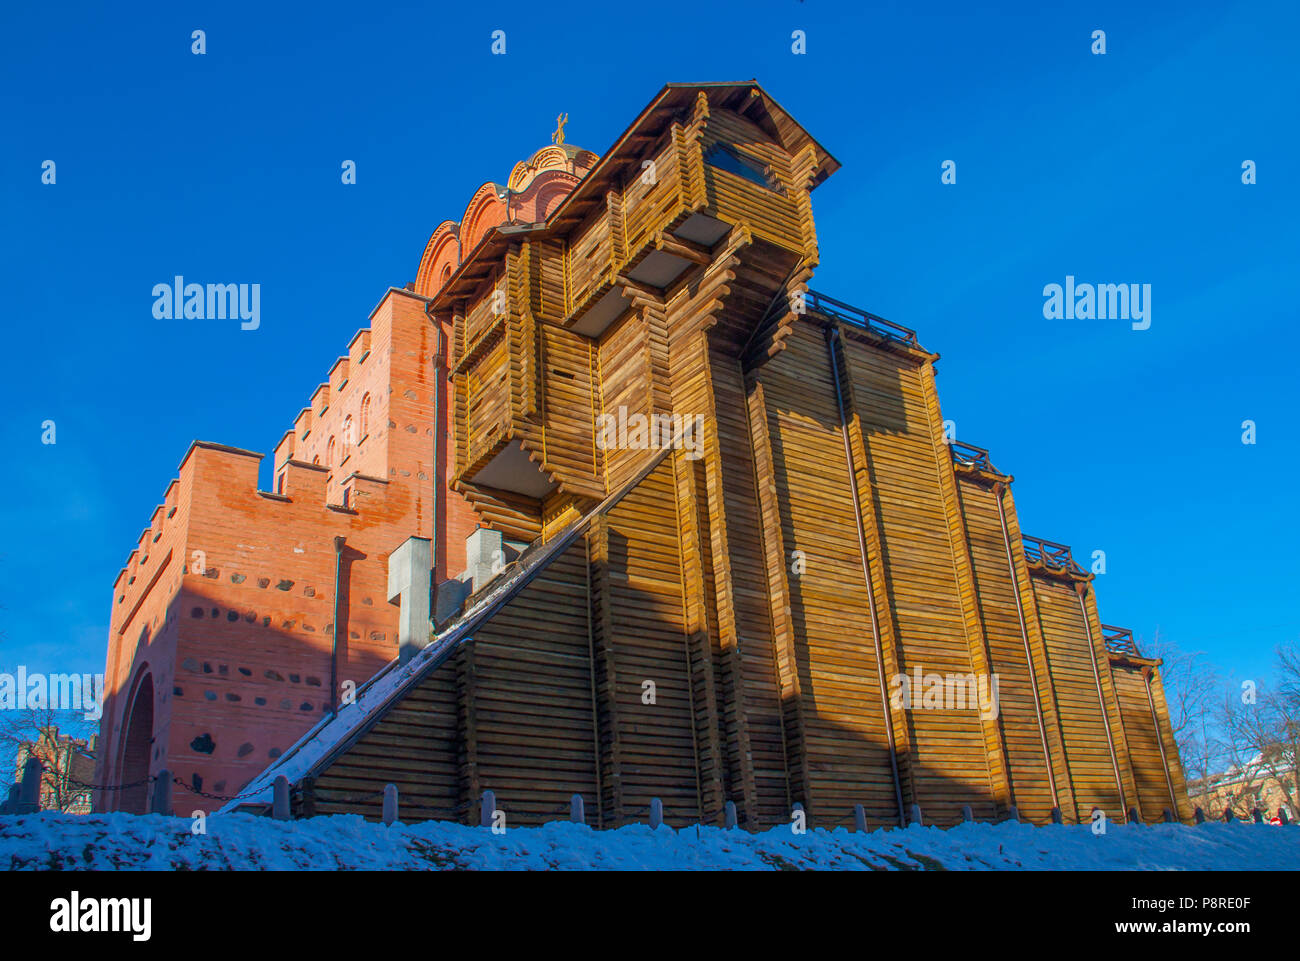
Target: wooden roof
[[747, 98]]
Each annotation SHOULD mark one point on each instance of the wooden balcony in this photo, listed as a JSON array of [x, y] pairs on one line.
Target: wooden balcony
[[1049, 557], [1119, 640]]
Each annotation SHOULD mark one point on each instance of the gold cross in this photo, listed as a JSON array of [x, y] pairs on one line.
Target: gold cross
[[557, 138]]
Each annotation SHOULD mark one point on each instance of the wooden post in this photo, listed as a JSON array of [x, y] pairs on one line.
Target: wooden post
[[1258, 815], [29, 792], [1199, 816], [1056, 816], [914, 814], [162, 794], [966, 813], [307, 792], [1133, 816], [1228, 816], [1169, 816], [656, 812], [1013, 813], [576, 813], [1283, 816], [280, 799], [731, 815], [390, 803], [859, 817], [487, 809]]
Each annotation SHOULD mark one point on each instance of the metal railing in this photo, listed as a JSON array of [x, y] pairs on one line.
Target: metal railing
[[1119, 640], [830, 307], [1050, 554]]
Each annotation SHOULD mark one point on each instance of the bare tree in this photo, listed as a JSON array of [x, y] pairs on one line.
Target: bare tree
[[1286, 708], [1260, 734], [1191, 687], [46, 734]]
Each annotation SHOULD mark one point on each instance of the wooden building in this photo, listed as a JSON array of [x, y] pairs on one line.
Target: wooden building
[[723, 606]]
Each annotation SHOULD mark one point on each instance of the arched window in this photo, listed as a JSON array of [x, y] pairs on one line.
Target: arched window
[[316, 460], [329, 453], [365, 416], [349, 438]]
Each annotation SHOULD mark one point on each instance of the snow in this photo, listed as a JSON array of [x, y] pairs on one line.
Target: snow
[[345, 842]]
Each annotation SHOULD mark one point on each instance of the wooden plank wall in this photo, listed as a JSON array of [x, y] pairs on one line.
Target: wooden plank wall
[[1158, 778], [1143, 741], [511, 712], [1021, 703], [1081, 712], [710, 615], [653, 196], [414, 747], [827, 652], [733, 510], [1128, 789], [566, 432], [626, 379], [1176, 773], [949, 756], [590, 257], [532, 720], [640, 640], [766, 685], [770, 215]]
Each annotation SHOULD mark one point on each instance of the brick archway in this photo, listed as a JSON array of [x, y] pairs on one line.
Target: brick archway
[[137, 748]]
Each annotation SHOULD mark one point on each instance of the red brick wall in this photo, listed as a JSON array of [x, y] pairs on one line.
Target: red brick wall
[[238, 635]]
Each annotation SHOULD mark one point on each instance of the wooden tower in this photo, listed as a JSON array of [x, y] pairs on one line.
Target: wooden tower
[[727, 616]]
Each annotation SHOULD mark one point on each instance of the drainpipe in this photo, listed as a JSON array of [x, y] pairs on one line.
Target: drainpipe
[[1080, 589], [439, 368], [339, 541], [832, 333], [1024, 636]]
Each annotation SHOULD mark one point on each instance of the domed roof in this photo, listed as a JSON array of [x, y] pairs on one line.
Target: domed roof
[[564, 157]]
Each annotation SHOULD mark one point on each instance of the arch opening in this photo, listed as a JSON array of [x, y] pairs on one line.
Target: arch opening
[[137, 748]]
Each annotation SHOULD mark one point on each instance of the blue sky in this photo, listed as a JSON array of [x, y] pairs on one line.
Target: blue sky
[[1122, 168]]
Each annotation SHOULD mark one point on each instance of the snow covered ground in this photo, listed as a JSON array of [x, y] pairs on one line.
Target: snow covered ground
[[246, 842]]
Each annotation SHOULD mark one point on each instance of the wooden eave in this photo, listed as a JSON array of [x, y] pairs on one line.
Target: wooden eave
[[1133, 660], [1078, 576], [672, 102]]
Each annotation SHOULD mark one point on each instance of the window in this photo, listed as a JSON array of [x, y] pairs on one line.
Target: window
[[365, 416], [349, 438], [329, 453], [727, 158]]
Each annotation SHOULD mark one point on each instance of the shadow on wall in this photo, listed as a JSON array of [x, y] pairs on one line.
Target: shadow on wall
[[244, 684], [533, 707]]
